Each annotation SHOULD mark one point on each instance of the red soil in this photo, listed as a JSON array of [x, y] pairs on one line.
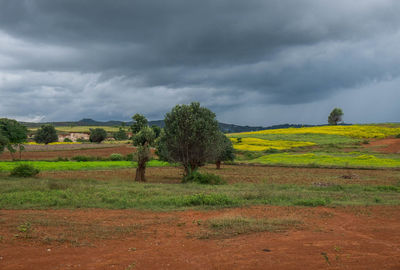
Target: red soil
[[68, 151], [386, 145], [330, 238]]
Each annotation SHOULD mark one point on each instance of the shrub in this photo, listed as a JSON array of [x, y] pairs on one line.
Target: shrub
[[116, 157], [24, 170], [398, 135], [205, 179], [81, 140], [67, 140]]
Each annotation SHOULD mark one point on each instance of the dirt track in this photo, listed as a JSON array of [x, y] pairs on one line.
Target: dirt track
[[329, 238]]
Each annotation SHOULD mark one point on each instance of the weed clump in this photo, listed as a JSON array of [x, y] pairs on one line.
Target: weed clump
[[203, 178], [24, 170], [116, 157]]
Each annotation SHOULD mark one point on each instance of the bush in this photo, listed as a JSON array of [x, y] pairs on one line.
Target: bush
[[67, 140], [81, 140], [24, 170], [205, 179], [398, 136], [116, 157]]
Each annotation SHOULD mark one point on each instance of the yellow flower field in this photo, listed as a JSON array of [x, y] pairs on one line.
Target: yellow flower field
[[255, 144], [354, 131]]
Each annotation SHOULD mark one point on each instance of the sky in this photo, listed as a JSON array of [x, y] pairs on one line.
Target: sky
[[253, 62]]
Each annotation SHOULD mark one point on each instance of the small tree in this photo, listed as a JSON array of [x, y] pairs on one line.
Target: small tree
[[97, 135], [335, 116], [13, 135], [188, 136], [139, 122], [143, 140], [120, 135], [224, 150], [46, 134]]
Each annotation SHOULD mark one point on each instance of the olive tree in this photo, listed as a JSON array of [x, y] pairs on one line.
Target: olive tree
[[335, 116], [143, 139], [13, 135], [223, 150], [139, 122], [46, 134], [189, 136]]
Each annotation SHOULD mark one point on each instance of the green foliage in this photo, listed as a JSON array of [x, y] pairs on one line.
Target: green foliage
[[398, 136], [67, 140], [81, 140], [116, 157], [139, 122], [203, 178], [224, 149], [3, 143], [157, 131], [129, 157], [335, 116], [46, 134], [24, 170], [12, 135], [97, 135], [189, 135], [144, 137], [120, 135]]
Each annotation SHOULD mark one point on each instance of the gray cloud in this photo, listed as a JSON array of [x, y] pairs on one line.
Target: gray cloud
[[110, 59]]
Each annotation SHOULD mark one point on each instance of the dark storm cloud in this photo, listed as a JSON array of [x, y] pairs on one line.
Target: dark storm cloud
[[109, 59]]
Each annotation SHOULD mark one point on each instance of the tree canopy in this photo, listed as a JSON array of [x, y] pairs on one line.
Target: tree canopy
[[189, 136], [46, 134], [12, 135], [139, 122], [97, 135], [335, 116]]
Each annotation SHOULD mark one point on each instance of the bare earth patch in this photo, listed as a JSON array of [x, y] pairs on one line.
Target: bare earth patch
[[50, 152], [391, 146], [328, 238]]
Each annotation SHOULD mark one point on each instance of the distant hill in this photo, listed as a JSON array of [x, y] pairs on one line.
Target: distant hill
[[226, 128]]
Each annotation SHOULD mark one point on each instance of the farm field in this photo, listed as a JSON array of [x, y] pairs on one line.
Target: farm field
[[323, 200]]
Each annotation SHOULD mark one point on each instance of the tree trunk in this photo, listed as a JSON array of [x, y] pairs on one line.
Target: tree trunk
[[140, 172], [218, 164]]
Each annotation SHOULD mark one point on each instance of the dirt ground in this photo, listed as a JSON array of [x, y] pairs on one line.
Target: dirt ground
[[328, 238], [34, 152], [390, 146], [243, 173]]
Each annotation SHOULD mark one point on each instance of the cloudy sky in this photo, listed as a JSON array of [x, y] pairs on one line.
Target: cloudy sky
[[254, 62]]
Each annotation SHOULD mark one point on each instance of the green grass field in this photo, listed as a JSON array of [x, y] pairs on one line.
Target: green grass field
[[323, 159], [47, 193], [6, 166]]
